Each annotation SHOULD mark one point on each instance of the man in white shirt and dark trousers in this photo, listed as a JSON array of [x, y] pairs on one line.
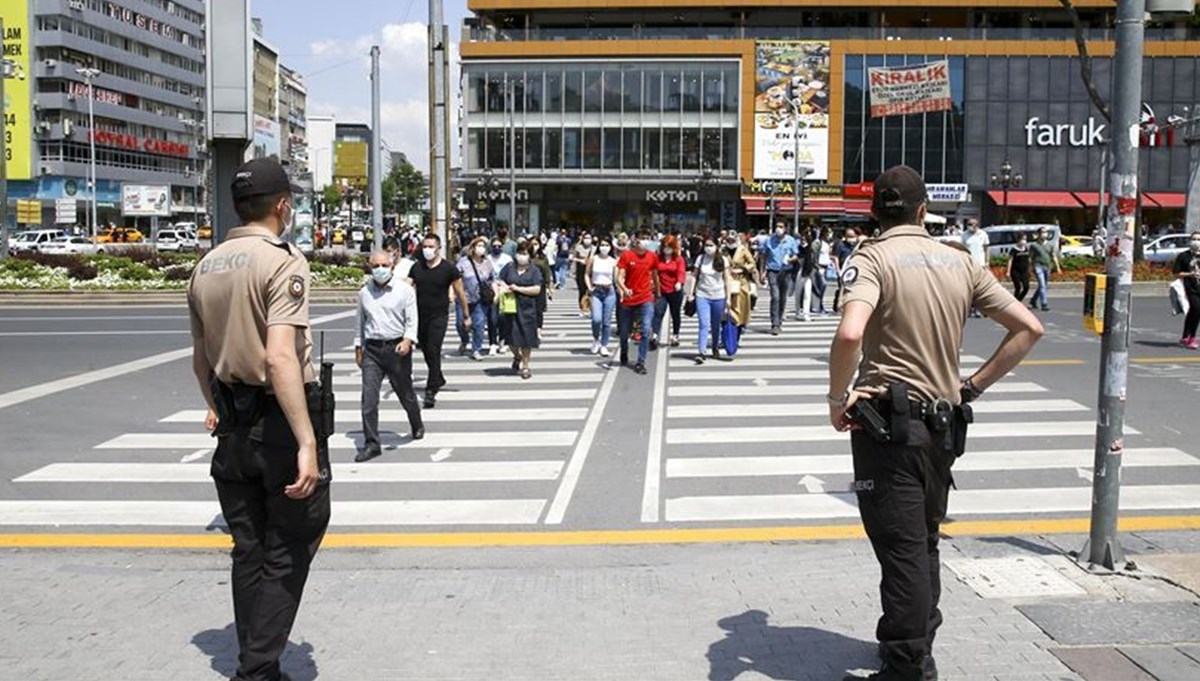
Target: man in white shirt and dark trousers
[[385, 335]]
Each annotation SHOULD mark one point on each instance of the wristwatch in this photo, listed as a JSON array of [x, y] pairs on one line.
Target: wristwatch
[[968, 392], [838, 402]]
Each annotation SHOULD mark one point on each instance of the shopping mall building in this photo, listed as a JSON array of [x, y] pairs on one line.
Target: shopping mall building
[[699, 112]]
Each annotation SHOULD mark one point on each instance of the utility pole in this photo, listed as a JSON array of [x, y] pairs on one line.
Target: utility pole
[[1191, 135], [89, 75], [1102, 549], [439, 124], [376, 163], [512, 163]]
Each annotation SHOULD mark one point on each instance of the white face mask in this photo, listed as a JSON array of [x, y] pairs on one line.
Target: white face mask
[[381, 274], [480, 250], [587, 242], [429, 253], [710, 250], [779, 231], [1195, 244], [605, 249], [522, 259]]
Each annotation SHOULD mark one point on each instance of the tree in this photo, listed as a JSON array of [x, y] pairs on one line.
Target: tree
[[332, 198], [404, 189]]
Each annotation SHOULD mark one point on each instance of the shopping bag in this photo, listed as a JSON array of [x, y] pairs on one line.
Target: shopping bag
[[1178, 297], [508, 302], [730, 336]]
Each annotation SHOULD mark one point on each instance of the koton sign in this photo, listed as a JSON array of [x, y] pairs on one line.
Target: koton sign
[[903, 90]]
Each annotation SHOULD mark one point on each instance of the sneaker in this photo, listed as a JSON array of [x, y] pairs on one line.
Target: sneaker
[[596, 348], [477, 356], [674, 341], [494, 350], [604, 351], [654, 343], [1193, 344], [807, 318], [639, 369], [775, 329], [700, 359]]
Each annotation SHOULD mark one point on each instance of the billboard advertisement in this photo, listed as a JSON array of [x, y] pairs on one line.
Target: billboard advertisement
[[139, 200], [350, 163], [266, 138], [791, 109], [18, 128], [903, 90]]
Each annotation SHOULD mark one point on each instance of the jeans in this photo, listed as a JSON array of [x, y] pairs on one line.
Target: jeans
[[1043, 279], [561, 266], [818, 289], [493, 324], [780, 282], [710, 311], [478, 320], [604, 301], [625, 316], [674, 302]]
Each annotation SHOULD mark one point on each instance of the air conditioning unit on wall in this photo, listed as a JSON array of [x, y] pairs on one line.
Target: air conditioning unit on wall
[[77, 5]]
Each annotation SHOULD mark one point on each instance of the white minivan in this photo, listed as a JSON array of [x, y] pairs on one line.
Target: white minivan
[[176, 240], [1002, 238], [34, 240]]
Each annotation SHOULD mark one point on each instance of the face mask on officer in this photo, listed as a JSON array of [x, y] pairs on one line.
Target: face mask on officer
[[429, 252], [381, 274]]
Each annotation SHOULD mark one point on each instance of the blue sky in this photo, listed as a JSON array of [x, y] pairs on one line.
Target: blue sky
[[328, 42]]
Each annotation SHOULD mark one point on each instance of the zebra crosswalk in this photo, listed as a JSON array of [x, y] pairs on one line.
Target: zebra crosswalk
[[748, 441]]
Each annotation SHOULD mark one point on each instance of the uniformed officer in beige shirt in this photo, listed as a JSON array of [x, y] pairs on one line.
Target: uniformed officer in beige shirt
[[906, 298], [252, 355]]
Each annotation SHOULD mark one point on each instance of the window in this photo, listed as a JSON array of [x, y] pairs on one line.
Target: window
[[554, 140], [631, 89], [572, 148], [592, 91], [573, 91], [653, 83], [591, 148], [631, 149], [691, 91], [554, 95], [612, 148], [612, 91], [672, 149], [652, 150]]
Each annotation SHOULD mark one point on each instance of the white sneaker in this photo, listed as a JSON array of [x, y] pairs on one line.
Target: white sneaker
[[596, 348], [604, 352], [807, 318], [494, 350]]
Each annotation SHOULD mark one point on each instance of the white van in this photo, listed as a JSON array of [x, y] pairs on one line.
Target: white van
[[1002, 238], [176, 240], [33, 240]]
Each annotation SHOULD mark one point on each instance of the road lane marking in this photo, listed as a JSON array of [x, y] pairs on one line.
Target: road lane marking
[[444, 453], [1164, 360], [79, 380], [538, 379], [570, 479], [776, 409], [495, 396], [651, 492], [816, 389], [794, 434], [505, 438], [196, 455], [1051, 362], [348, 473]]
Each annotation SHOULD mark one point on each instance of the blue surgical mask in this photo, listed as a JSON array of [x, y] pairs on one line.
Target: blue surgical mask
[[381, 275]]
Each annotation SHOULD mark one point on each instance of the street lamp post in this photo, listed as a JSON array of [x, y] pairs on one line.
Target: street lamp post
[[89, 74], [512, 164], [487, 187], [705, 181], [1006, 179]]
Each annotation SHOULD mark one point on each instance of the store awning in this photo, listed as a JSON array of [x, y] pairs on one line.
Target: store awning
[[1091, 199], [1028, 199], [858, 206], [1172, 200], [785, 206]]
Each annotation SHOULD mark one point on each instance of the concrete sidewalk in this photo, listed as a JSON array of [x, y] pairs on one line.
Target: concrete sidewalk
[[742, 611]]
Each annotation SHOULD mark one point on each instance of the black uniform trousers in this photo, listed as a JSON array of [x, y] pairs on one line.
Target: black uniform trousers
[[274, 537], [431, 333], [902, 493], [380, 359]]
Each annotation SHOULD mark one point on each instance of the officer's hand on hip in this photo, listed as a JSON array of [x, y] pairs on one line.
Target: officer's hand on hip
[[840, 413], [210, 421], [306, 479], [358, 356], [404, 347]]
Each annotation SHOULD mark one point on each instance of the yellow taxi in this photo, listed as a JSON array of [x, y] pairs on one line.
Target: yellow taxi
[[205, 232], [120, 235], [339, 236]]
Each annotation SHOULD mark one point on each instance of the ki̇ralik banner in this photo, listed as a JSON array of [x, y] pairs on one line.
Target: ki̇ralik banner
[[902, 90], [791, 109]]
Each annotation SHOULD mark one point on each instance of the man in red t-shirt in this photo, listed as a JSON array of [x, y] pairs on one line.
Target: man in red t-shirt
[[637, 282]]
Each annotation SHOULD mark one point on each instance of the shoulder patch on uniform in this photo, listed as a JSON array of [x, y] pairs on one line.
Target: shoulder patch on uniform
[[849, 275], [296, 286]]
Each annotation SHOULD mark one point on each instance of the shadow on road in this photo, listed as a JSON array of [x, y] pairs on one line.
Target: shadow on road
[[1157, 344], [783, 653], [222, 647]]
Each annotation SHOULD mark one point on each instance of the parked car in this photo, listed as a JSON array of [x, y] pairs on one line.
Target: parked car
[[176, 240], [1076, 246], [1002, 238], [339, 236], [1166, 248], [74, 245], [34, 240], [120, 235]]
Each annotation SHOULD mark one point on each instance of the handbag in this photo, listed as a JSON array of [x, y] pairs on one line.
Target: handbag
[[1178, 297], [487, 296], [585, 303], [689, 307], [508, 302], [730, 336]]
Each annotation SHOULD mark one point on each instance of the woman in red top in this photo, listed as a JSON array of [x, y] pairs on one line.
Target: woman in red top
[[672, 273]]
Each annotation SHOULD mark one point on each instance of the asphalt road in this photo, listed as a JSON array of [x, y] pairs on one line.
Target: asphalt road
[[101, 423]]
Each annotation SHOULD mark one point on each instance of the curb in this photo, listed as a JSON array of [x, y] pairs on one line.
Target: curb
[[18, 298]]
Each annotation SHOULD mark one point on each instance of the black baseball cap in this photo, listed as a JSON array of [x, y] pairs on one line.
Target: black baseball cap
[[261, 177], [897, 189]]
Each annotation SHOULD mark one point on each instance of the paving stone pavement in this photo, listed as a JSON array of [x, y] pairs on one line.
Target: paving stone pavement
[[795, 611]]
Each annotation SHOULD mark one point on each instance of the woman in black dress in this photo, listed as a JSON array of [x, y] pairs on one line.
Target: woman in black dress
[[525, 280], [1019, 267]]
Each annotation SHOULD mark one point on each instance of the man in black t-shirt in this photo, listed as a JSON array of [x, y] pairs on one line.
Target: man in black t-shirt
[[434, 276]]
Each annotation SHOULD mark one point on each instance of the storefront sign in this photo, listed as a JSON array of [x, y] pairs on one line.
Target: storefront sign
[[142, 21], [18, 131], [143, 200], [1038, 134], [501, 194], [947, 193], [898, 91], [100, 94], [791, 109], [149, 145], [768, 188], [672, 195]]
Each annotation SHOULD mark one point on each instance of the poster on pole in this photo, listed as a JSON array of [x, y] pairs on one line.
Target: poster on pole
[[903, 90], [791, 109], [140, 200], [18, 113]]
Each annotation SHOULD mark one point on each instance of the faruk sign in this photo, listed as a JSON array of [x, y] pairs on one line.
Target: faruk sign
[[1038, 134]]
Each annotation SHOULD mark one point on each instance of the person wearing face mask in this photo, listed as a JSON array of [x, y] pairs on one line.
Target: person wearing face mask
[[524, 280], [479, 281], [580, 256], [385, 333], [1187, 268], [495, 321], [562, 258], [712, 289], [780, 254], [1019, 259], [1044, 256], [672, 273], [841, 257], [638, 286], [537, 255], [436, 279], [744, 269], [252, 358], [603, 294]]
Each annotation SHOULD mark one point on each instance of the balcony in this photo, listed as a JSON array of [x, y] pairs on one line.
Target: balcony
[[557, 34]]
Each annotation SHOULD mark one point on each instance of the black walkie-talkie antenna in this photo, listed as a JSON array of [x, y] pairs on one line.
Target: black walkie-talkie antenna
[[322, 359]]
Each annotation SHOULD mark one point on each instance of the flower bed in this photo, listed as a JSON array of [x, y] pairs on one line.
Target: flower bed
[[138, 270], [1076, 269]]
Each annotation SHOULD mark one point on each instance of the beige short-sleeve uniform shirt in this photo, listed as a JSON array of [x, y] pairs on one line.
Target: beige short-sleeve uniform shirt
[[921, 291], [249, 282]]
